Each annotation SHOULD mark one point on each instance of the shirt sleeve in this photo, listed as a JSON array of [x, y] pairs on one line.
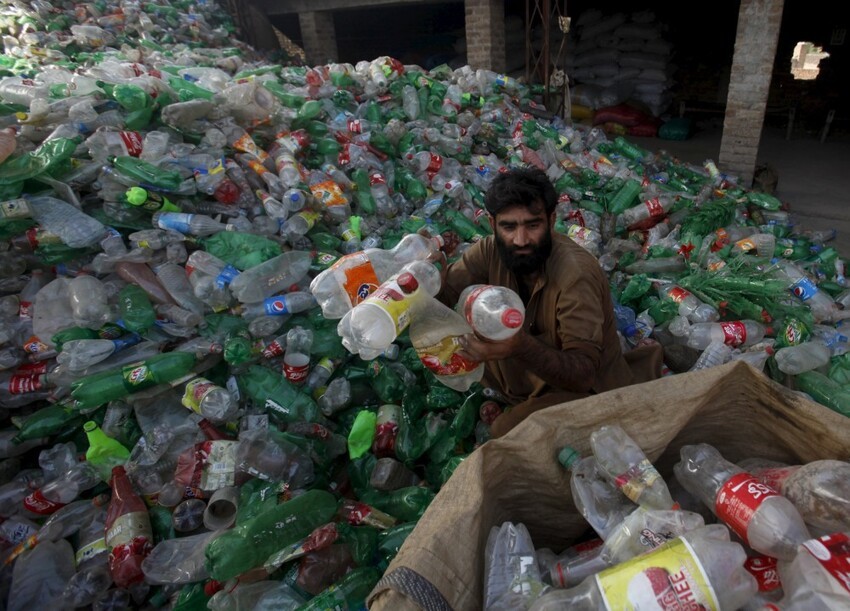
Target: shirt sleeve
[[471, 268], [581, 317]]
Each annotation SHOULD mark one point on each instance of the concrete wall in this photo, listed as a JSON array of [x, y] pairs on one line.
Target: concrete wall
[[319, 37], [752, 69]]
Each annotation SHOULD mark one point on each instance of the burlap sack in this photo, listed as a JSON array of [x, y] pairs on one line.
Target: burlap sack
[[518, 478]]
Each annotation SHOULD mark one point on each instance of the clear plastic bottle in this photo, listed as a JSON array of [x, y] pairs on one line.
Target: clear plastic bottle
[[296, 357], [193, 224], [701, 569], [353, 277], [89, 302], [689, 305], [266, 279], [74, 227], [80, 354], [177, 561], [173, 279], [823, 307], [767, 521], [8, 142], [629, 468], [435, 331], [493, 312], [62, 490], [595, 496], [736, 333], [805, 356], [210, 400], [716, 353], [820, 490], [816, 580], [654, 208], [375, 323], [280, 305]]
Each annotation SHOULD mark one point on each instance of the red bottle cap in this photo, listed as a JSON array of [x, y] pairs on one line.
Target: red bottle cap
[[407, 283], [512, 318]]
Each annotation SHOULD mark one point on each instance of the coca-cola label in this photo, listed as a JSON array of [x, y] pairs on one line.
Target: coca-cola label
[[671, 578], [654, 207], [775, 478], [738, 499], [355, 126], [763, 568], [132, 143], [296, 372], [128, 526], [434, 164], [273, 349], [25, 309], [734, 333], [344, 155], [833, 553], [37, 503], [359, 277], [23, 384]]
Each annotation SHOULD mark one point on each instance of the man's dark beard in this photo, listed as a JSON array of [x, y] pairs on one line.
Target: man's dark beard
[[521, 265]]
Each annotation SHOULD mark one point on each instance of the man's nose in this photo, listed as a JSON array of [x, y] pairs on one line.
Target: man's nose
[[521, 237]]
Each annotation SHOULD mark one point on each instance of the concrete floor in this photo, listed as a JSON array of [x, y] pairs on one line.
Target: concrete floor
[[814, 178]]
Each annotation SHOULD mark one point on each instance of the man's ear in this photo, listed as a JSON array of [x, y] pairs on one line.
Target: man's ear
[[492, 219], [552, 221]]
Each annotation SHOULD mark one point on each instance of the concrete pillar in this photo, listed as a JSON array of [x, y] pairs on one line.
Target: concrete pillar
[[319, 37], [752, 67], [485, 34]]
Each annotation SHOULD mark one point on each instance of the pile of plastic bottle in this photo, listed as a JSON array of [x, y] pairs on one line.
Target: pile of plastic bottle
[[759, 535], [205, 397]]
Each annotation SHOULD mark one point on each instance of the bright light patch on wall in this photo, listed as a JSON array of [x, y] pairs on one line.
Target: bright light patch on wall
[[805, 61]]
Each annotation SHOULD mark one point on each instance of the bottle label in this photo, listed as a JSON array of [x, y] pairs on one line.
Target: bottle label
[[273, 349], [176, 221], [738, 499], [390, 298], [37, 503], [196, 391], [833, 553], [775, 478], [246, 144], [16, 209], [35, 346], [443, 359], [24, 384], [87, 552], [329, 193], [126, 342], [25, 309], [137, 376], [435, 162], [275, 306], [355, 126], [215, 465], [359, 279], [734, 333], [763, 568], [670, 579], [804, 289], [227, 275], [470, 301], [16, 532], [296, 372], [654, 207], [639, 477], [678, 294], [130, 143], [745, 245], [127, 527]]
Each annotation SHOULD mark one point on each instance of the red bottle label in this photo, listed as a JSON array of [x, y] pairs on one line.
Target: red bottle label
[[36, 503], [738, 499], [678, 294], [734, 333], [23, 384], [833, 553], [132, 142], [434, 165], [763, 568], [775, 478], [296, 373], [654, 207]]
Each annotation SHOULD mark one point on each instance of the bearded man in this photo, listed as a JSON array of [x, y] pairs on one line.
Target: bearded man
[[568, 347]]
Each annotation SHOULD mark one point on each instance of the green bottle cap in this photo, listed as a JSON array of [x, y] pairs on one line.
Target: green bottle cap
[[567, 456], [136, 196]]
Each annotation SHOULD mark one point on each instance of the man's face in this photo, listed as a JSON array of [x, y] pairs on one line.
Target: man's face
[[523, 237]]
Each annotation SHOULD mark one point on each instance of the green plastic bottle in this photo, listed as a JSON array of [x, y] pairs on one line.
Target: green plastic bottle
[[48, 421], [625, 198], [251, 543], [100, 388], [348, 593], [365, 201], [137, 313], [147, 173], [405, 504], [142, 198], [104, 452]]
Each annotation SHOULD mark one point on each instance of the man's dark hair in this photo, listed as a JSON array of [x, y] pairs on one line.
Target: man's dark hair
[[521, 186]]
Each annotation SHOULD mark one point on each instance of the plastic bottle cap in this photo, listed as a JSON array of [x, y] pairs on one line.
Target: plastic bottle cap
[[136, 196], [407, 283], [512, 318], [567, 456], [90, 426]]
